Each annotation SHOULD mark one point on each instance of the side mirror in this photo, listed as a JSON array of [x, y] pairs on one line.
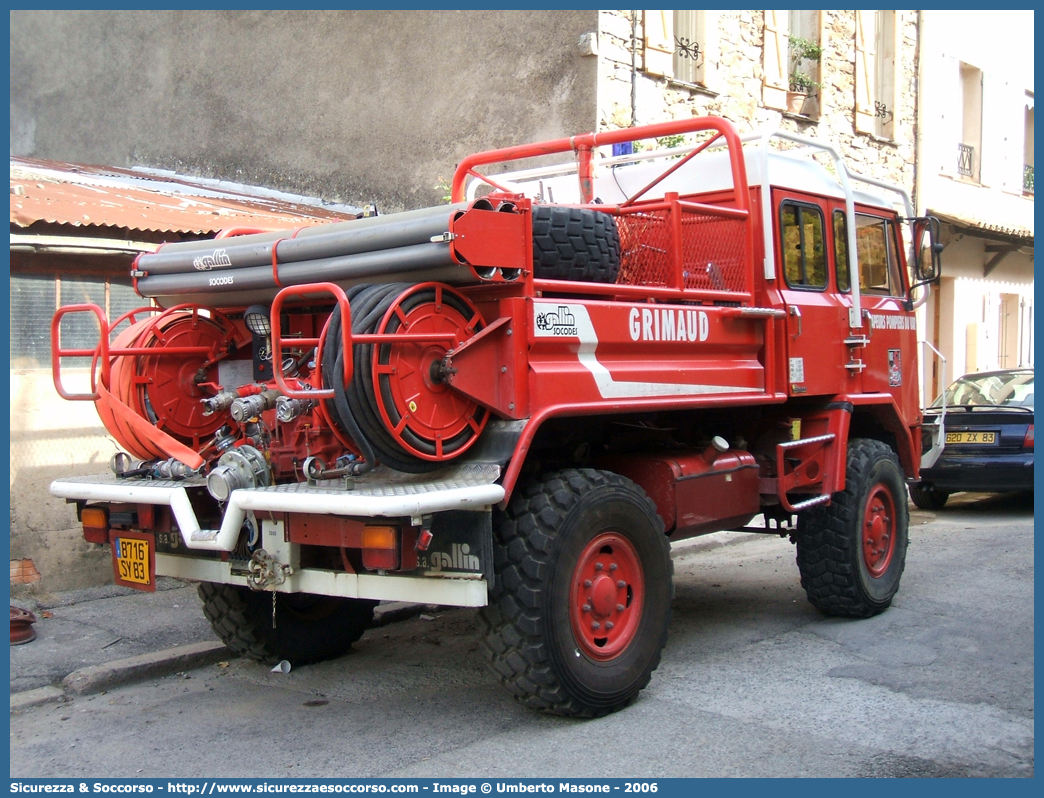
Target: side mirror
[[927, 265]]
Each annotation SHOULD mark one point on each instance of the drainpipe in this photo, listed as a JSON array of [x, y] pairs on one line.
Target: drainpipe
[[634, 68], [919, 208], [919, 154]]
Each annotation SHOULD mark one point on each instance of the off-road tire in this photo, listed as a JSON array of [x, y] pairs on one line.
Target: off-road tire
[[928, 497], [575, 244], [540, 544], [830, 540], [308, 628]]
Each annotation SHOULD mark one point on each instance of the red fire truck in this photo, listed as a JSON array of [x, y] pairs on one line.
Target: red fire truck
[[517, 401]]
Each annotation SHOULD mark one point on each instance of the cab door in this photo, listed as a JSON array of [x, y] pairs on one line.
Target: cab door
[[889, 357], [817, 321]]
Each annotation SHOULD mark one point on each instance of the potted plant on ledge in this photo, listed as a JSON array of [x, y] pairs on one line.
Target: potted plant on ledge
[[802, 87]]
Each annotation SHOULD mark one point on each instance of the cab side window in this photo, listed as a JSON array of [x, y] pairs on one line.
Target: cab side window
[[878, 263], [804, 248]]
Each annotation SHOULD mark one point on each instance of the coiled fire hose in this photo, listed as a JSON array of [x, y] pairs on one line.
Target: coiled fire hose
[[379, 416], [352, 409], [144, 405]]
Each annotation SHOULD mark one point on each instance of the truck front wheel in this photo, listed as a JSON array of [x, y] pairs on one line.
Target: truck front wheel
[[851, 553], [582, 603], [307, 628]]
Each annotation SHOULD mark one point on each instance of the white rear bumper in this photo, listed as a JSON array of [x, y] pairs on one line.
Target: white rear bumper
[[382, 493]]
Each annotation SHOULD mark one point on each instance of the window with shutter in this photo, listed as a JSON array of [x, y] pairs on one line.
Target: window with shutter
[[1012, 116], [948, 97], [886, 72], [969, 150], [695, 47], [865, 72], [877, 48], [997, 131], [804, 38], [658, 43], [774, 57]]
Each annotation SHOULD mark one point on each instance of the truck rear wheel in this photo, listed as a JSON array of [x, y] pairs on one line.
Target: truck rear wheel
[[928, 497], [308, 628], [582, 602], [851, 554], [575, 244]]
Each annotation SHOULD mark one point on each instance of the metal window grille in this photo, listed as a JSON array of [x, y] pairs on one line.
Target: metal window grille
[[34, 299], [965, 159]]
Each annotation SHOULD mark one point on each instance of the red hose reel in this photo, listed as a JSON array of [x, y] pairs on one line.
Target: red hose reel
[[148, 393], [426, 417], [164, 389], [147, 384]]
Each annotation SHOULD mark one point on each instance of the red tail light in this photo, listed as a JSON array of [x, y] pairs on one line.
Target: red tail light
[[1027, 442], [95, 522], [380, 547]]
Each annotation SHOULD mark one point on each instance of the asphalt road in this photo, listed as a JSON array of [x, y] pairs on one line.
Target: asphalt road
[[754, 682]]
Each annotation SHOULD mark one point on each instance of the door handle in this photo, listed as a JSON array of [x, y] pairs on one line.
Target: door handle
[[795, 311]]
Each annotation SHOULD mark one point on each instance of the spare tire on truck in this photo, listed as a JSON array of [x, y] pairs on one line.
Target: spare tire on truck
[[575, 244]]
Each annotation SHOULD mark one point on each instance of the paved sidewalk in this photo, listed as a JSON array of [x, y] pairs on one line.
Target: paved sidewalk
[[89, 639], [80, 628]]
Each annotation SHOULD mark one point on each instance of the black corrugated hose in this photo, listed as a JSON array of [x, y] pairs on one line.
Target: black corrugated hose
[[354, 409]]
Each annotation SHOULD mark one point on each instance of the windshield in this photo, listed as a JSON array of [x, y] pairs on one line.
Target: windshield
[[1010, 388]]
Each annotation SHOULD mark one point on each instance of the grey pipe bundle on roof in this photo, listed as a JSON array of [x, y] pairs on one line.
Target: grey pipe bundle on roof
[[319, 243], [417, 263]]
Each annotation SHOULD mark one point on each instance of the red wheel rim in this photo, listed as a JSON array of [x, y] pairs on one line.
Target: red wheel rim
[[878, 530], [606, 596]]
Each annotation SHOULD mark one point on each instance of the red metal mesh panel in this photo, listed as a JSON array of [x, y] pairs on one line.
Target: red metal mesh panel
[[645, 244], [713, 253], [712, 248]]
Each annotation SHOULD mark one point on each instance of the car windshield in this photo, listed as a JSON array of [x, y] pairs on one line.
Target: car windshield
[[1010, 388]]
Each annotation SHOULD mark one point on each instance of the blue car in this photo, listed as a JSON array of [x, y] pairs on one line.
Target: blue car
[[989, 438]]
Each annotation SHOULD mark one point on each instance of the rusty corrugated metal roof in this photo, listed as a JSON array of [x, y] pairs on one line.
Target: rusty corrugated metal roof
[[150, 200]]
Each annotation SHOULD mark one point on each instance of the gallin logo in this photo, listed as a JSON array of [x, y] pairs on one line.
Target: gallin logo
[[458, 558], [561, 322], [205, 263]]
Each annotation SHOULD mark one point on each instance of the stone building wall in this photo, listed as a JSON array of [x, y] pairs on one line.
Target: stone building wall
[[354, 106], [736, 91]]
